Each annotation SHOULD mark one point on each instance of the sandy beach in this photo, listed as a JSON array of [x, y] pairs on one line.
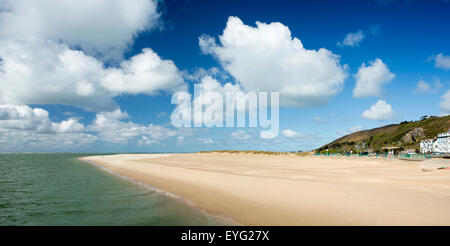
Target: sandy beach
[[293, 190]]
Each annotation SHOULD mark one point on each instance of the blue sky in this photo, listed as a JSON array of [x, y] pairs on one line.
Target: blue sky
[[108, 104]]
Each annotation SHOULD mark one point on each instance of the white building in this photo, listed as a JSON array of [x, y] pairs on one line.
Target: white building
[[426, 146], [440, 145]]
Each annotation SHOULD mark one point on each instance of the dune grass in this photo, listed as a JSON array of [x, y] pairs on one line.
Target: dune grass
[[257, 152]]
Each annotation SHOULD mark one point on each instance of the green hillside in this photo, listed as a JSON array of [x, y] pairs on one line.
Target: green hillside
[[406, 135]]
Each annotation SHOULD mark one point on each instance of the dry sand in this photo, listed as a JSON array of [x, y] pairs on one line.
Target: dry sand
[[292, 190]]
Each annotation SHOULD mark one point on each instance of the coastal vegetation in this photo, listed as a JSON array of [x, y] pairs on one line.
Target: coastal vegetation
[[405, 136], [257, 152]]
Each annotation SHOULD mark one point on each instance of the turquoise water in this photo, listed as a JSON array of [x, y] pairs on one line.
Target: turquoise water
[[57, 189]]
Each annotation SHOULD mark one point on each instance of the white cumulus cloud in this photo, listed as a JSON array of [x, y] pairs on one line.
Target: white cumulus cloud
[[441, 61], [318, 119], [21, 122], [69, 53], [352, 39], [144, 73], [290, 133], [351, 129], [379, 111], [426, 87], [41, 63], [111, 127], [268, 58], [205, 141], [296, 136], [445, 102], [144, 140], [370, 78], [38, 72], [23, 117], [208, 100], [240, 134], [24, 127], [98, 27], [422, 87]]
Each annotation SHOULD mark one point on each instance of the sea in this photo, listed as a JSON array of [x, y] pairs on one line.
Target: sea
[[58, 190]]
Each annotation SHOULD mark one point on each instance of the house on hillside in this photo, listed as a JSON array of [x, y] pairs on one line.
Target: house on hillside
[[426, 146], [442, 143], [360, 146], [438, 145]]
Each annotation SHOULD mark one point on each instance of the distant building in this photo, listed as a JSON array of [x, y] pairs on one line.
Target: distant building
[[426, 146], [439, 145], [360, 146], [391, 150], [408, 151], [442, 143]]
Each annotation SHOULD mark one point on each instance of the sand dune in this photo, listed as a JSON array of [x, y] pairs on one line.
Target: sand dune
[[292, 190]]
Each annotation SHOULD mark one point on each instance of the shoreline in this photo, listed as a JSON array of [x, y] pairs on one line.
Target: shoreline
[[134, 181], [289, 190], [219, 218]]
